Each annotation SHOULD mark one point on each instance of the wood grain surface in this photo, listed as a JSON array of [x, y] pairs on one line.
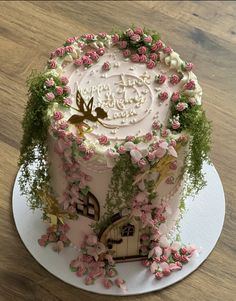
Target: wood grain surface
[[202, 32]]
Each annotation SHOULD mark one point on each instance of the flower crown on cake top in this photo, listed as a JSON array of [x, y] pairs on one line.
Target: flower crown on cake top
[[83, 130]]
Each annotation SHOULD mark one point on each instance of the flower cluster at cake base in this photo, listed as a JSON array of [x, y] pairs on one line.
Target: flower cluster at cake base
[[56, 236], [94, 262], [165, 257]]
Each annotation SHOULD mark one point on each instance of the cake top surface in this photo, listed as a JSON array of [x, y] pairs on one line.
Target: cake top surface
[[132, 77]]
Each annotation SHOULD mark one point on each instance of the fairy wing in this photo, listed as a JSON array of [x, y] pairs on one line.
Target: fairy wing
[[80, 102], [89, 106]]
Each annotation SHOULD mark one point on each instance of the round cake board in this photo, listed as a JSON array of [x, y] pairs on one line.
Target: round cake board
[[201, 225]]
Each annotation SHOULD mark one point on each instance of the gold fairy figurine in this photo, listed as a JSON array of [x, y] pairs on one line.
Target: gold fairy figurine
[[86, 111]]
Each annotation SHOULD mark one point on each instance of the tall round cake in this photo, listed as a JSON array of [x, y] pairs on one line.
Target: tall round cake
[[116, 131]]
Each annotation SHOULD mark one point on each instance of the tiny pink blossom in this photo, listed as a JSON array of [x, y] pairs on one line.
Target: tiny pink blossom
[[142, 58], [67, 101], [49, 82], [173, 143], [190, 85], [60, 51], [81, 44], [147, 39], [82, 147], [66, 90], [69, 49], [158, 275], [163, 96], [87, 60], [111, 272], [78, 62], [64, 80], [148, 136], [126, 53], [151, 64], [165, 132], [183, 250], [142, 50], [146, 263], [59, 90], [192, 101], [107, 283], [166, 272], [53, 55], [50, 96], [88, 36], [129, 32], [145, 237], [100, 51], [160, 79], [189, 66], [142, 163], [88, 280], [184, 259], [70, 40], [52, 64], [58, 115], [64, 125], [135, 58], [175, 124], [181, 106], [167, 50], [175, 96], [123, 44], [129, 138], [106, 66], [139, 31], [157, 46], [154, 56], [115, 38], [102, 34], [151, 156], [135, 37], [121, 149], [42, 242], [174, 79], [94, 56], [81, 271], [156, 125], [103, 140]]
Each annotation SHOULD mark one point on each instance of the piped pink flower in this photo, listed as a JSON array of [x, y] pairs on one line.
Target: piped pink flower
[[103, 140], [163, 96], [58, 115], [174, 79], [142, 50], [151, 64], [181, 106], [190, 85], [175, 96], [160, 79], [50, 96], [106, 66]]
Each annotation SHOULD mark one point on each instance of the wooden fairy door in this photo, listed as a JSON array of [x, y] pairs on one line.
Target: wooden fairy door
[[123, 238]]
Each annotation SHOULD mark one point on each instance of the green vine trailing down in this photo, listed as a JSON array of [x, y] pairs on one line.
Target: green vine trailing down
[[194, 121], [33, 145], [121, 190]]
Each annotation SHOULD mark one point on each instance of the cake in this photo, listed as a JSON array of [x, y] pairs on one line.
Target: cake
[[116, 133]]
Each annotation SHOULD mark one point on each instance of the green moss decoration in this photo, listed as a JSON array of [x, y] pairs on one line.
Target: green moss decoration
[[121, 190], [194, 121], [33, 145]]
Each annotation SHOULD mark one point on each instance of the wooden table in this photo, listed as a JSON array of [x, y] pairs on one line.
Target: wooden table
[[204, 33]]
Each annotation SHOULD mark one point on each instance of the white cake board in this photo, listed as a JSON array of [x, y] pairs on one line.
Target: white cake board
[[201, 225]]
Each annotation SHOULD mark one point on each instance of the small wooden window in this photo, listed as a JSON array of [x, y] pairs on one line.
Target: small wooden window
[[88, 206], [127, 230]]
